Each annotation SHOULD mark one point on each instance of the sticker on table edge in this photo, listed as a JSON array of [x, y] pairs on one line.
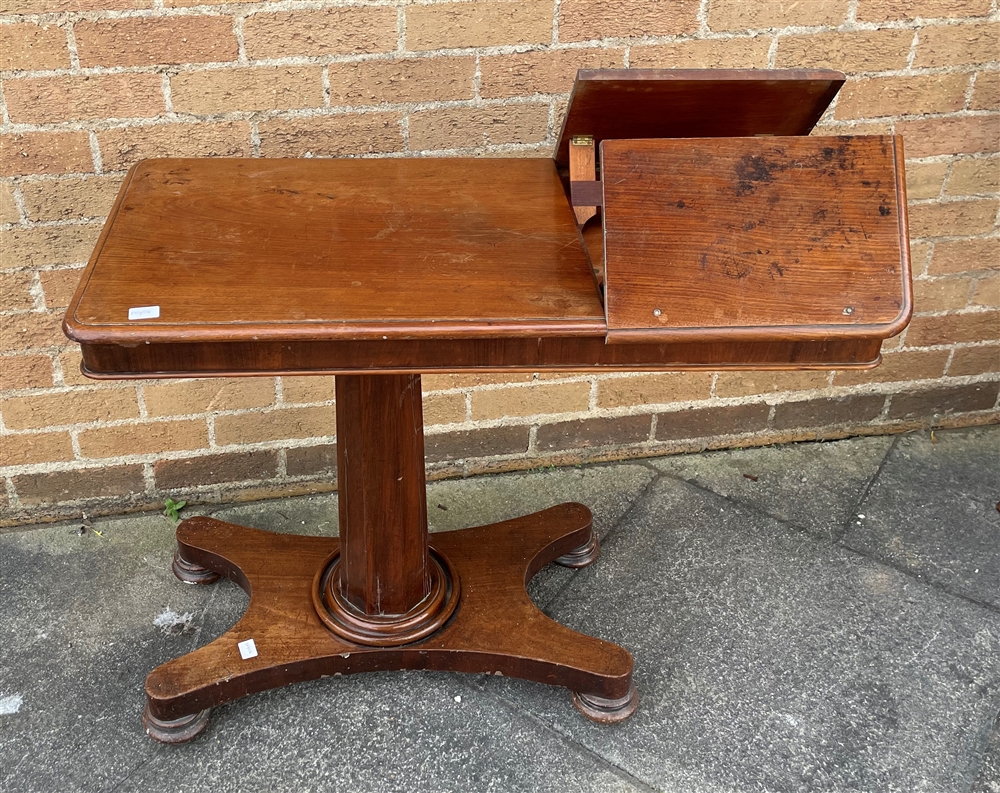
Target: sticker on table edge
[[144, 312]]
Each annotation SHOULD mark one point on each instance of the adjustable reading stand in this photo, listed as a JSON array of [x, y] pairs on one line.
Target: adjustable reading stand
[[713, 236]]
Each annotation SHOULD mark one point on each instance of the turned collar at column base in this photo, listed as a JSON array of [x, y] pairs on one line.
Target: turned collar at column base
[[387, 630]]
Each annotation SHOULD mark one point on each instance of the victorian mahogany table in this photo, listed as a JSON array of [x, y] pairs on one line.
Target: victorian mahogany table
[[684, 223]]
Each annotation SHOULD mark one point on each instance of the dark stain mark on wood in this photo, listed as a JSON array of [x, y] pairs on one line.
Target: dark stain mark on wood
[[736, 269], [753, 169]]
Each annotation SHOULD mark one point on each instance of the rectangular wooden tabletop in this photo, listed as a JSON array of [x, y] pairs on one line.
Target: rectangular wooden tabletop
[[258, 267], [250, 249]]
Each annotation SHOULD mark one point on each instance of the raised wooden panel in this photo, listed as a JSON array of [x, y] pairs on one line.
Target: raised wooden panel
[[694, 103], [755, 238]]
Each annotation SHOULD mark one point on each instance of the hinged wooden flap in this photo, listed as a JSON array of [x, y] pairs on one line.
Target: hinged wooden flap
[[755, 238], [690, 103]]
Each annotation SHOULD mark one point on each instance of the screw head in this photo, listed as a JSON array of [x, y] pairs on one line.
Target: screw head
[[656, 312], [849, 310]]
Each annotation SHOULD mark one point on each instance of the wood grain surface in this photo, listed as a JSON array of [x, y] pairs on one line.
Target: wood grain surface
[[305, 249], [694, 103], [383, 500], [410, 265], [755, 238], [497, 629]]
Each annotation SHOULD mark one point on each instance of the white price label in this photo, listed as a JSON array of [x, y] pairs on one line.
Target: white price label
[[247, 649], [144, 312]]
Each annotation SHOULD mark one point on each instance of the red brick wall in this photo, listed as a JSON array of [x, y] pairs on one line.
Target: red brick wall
[[90, 86]]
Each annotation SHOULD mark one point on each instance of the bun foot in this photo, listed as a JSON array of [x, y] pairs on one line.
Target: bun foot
[[191, 573], [582, 556], [175, 730], [606, 711]]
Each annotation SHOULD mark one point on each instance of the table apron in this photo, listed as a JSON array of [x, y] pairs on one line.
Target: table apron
[[228, 359]]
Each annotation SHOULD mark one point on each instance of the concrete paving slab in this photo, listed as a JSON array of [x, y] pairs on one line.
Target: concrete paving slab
[[460, 503], [608, 490], [933, 511], [103, 610], [814, 486], [313, 515], [989, 774], [83, 619], [767, 660], [385, 733]]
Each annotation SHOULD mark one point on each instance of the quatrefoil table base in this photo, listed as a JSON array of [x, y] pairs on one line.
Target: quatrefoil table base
[[495, 628]]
